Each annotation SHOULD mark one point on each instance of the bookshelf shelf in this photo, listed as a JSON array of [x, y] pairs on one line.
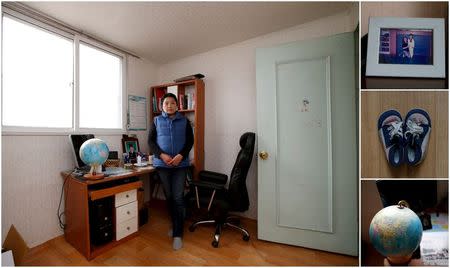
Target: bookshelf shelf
[[191, 97]]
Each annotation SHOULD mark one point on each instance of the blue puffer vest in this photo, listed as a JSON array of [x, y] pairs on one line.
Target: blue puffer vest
[[170, 137]]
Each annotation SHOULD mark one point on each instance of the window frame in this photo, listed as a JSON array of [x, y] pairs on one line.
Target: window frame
[[76, 39]]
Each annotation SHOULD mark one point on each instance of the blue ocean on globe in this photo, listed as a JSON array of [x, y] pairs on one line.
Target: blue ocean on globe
[[395, 231], [94, 152]]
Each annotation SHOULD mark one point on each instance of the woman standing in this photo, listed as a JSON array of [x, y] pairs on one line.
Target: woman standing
[[170, 140], [411, 45]]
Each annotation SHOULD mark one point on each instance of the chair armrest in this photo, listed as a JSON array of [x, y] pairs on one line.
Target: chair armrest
[[212, 177], [208, 185], [213, 187]]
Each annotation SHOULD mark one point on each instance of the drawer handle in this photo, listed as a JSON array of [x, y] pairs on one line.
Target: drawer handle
[[128, 228], [127, 196], [128, 212]]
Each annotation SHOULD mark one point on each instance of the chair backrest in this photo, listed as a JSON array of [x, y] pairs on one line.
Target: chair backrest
[[237, 189]]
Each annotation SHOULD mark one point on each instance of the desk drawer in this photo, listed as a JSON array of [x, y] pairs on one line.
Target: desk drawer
[[125, 197], [126, 212], [126, 228], [95, 194]]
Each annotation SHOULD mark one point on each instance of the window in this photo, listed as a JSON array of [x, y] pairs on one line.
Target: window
[[37, 77], [40, 88], [100, 89]]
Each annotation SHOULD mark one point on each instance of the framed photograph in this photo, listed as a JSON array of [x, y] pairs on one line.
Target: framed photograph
[[406, 47], [130, 144]]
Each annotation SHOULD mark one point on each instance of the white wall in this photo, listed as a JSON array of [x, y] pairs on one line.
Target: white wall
[[31, 166], [230, 90]]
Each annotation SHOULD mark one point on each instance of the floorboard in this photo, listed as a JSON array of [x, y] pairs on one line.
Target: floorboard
[[153, 247]]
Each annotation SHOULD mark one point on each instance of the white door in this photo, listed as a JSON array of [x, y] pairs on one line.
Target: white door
[[307, 116]]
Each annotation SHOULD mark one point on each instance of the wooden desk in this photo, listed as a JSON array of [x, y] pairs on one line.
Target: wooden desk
[[78, 192]]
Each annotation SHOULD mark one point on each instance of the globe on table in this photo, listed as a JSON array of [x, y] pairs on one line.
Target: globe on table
[[396, 232], [94, 152]]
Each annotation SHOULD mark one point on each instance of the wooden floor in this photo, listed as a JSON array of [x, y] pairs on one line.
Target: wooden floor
[[154, 248], [373, 159]]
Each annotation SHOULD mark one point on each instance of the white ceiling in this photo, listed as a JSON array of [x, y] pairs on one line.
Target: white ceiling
[[165, 31]]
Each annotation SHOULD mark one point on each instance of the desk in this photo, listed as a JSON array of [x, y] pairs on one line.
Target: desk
[[78, 194]]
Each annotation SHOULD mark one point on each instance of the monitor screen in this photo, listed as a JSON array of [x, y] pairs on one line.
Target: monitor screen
[[420, 194], [77, 140]]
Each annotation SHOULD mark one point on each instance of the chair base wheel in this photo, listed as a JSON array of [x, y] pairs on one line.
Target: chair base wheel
[[215, 244], [246, 237]]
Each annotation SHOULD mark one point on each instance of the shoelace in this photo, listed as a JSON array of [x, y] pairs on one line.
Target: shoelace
[[395, 129], [414, 129]]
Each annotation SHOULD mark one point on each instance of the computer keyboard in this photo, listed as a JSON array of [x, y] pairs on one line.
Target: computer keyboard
[[115, 171]]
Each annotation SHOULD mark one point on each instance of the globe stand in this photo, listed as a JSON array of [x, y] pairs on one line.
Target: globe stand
[[95, 173], [399, 261], [97, 176]]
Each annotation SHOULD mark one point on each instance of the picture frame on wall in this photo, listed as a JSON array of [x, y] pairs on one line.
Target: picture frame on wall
[[406, 47]]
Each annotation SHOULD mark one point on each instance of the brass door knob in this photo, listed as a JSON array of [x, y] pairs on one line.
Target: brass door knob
[[263, 155]]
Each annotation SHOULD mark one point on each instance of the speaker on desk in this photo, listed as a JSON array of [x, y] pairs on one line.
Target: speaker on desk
[[100, 220]]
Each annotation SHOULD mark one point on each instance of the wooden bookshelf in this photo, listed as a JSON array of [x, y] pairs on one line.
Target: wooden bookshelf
[[195, 89]]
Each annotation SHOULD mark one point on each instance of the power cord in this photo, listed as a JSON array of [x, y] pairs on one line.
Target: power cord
[[62, 225]]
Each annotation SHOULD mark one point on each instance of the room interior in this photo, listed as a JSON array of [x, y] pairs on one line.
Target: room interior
[[168, 41]]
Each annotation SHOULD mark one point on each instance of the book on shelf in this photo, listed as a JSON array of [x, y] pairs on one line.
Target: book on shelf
[[173, 90], [154, 106], [181, 102], [186, 101], [189, 102], [160, 105], [159, 93]]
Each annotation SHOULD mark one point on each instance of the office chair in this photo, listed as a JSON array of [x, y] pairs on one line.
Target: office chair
[[220, 200]]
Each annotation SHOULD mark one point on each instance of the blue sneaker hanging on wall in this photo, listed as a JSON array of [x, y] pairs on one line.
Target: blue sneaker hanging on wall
[[390, 130], [417, 129]]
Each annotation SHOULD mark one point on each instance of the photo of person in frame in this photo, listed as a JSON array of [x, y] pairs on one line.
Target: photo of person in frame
[[406, 46], [131, 150]]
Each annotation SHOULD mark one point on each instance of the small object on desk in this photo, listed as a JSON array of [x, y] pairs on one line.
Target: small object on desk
[[110, 171], [111, 163], [434, 245], [126, 158], [142, 164], [128, 166]]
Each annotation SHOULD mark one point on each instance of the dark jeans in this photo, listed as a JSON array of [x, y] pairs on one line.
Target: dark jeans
[[173, 184]]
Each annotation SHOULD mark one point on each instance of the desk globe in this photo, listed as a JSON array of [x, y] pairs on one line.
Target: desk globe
[[396, 232], [94, 152]]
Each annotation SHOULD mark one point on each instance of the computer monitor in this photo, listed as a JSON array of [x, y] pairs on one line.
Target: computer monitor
[[77, 140], [420, 194]]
